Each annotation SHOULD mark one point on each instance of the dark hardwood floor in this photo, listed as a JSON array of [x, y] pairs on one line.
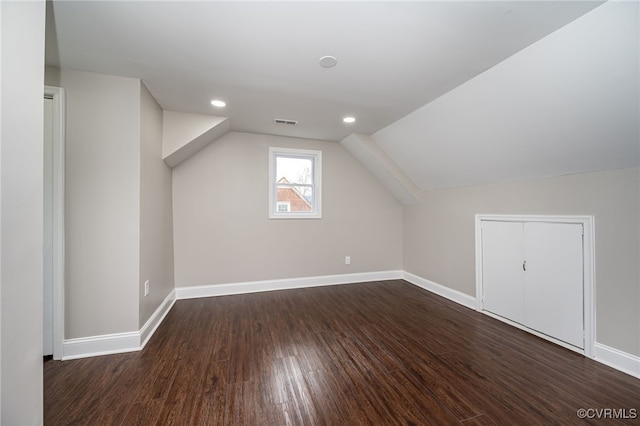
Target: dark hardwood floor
[[383, 353]]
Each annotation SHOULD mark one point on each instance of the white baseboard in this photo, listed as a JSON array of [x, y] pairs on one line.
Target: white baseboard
[[135, 341], [446, 292], [108, 344], [617, 359], [156, 318], [614, 358], [284, 284]]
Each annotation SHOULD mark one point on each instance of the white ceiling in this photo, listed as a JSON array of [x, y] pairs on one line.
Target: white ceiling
[[570, 103], [262, 57]]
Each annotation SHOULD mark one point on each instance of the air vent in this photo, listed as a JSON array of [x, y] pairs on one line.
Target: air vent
[[286, 122]]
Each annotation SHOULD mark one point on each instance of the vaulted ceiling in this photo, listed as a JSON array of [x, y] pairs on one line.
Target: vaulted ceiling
[[413, 74]]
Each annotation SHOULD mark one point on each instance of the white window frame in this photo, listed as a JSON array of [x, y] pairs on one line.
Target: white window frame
[[316, 158]]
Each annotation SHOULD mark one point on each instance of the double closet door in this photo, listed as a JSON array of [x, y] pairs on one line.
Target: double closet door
[[532, 274]]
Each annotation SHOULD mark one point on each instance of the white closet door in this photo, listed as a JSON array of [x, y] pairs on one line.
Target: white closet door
[[553, 283], [502, 269]]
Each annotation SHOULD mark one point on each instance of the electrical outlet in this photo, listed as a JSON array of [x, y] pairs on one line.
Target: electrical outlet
[[146, 288], [347, 260]]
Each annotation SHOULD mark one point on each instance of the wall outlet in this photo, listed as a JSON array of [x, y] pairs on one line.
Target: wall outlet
[[146, 288], [347, 260]]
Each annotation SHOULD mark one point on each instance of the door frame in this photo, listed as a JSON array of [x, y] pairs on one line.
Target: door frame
[[58, 248], [588, 255]]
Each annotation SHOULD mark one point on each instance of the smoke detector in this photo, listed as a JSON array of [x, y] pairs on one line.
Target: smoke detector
[[328, 61]]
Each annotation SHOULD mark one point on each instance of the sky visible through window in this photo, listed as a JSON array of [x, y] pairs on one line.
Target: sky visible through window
[[295, 170]]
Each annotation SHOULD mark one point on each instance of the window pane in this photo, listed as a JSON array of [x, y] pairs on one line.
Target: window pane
[[299, 198], [294, 170]]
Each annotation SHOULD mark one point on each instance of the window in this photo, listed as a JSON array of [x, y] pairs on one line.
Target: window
[[283, 206], [294, 183]]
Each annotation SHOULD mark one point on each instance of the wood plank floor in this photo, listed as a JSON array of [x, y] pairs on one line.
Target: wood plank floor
[[383, 353]]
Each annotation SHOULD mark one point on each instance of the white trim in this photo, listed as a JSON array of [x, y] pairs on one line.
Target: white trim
[[589, 274], [108, 344], [58, 249], [534, 332], [156, 318], [135, 341], [588, 265], [478, 257], [441, 290], [470, 302], [617, 359], [283, 284], [614, 358]]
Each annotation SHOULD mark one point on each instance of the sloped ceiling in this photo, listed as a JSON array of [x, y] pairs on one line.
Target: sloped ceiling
[[396, 60], [567, 104]]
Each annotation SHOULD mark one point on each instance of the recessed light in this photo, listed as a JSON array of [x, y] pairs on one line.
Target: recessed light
[[349, 119], [218, 103], [328, 61]]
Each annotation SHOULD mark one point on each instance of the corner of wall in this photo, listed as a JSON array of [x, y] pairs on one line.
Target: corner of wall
[[156, 220], [21, 202], [184, 134], [365, 150]]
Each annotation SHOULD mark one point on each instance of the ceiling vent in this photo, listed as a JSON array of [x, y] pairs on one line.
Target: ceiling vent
[[286, 122]]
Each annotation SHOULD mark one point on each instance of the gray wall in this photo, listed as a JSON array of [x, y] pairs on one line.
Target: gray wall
[[439, 238], [156, 220], [118, 204], [102, 206], [21, 195], [222, 232]]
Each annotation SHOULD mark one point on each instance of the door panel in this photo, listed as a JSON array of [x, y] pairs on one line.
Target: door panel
[[553, 281], [502, 269]]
